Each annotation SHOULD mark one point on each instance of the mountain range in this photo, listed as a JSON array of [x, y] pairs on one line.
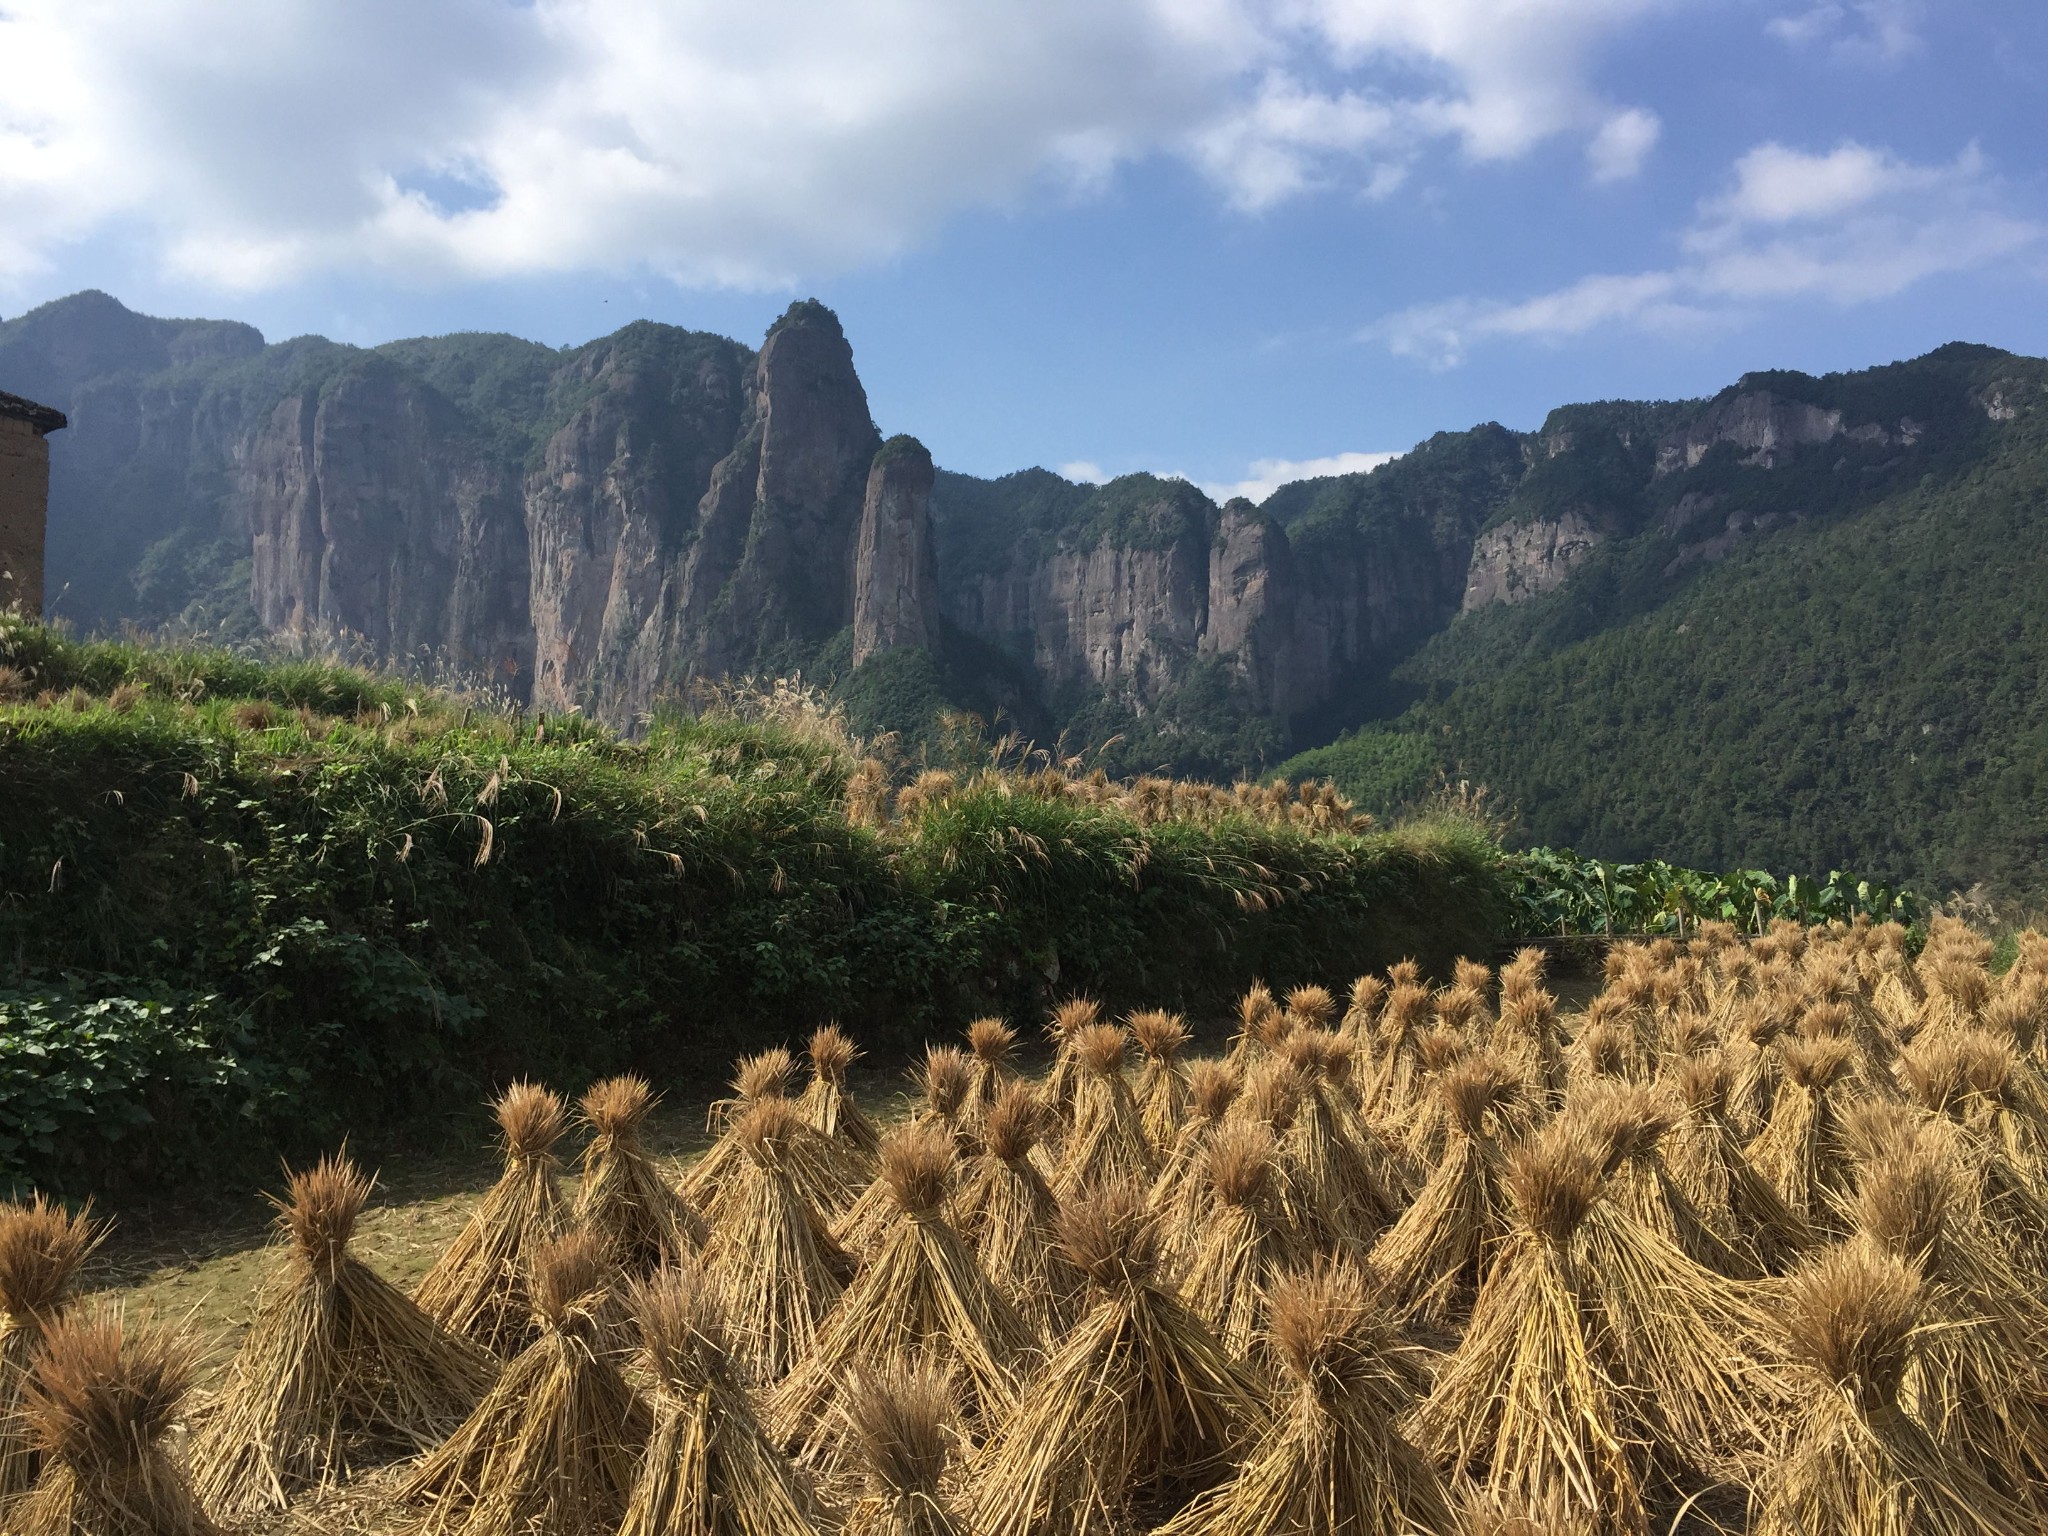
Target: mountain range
[[1803, 620]]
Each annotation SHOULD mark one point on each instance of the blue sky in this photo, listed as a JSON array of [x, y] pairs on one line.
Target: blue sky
[[1224, 238]]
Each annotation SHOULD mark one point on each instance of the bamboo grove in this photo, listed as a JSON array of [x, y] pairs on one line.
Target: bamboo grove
[[1755, 1240]]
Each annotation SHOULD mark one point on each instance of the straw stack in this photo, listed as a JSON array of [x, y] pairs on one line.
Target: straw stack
[[338, 1369], [42, 1248], [480, 1287], [623, 1197]]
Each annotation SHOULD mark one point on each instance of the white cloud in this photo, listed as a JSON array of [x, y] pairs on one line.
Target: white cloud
[[1849, 226], [1265, 476], [250, 143], [1085, 471], [1854, 31], [1624, 142]]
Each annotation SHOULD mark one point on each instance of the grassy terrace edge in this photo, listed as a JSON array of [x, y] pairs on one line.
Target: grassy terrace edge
[[247, 908]]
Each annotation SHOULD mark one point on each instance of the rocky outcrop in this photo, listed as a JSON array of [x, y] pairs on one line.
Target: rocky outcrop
[[1249, 623], [1521, 560], [896, 571], [373, 513]]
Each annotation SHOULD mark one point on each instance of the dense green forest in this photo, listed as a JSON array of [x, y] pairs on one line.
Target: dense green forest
[[1861, 685]]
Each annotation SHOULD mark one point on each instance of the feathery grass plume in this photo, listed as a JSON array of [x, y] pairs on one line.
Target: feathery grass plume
[[828, 1105], [623, 1196], [769, 1074], [993, 1045], [554, 1447], [921, 1292], [1854, 1462], [1339, 1182], [1108, 1139], [1391, 1094], [1139, 1406], [1976, 1382], [771, 1261], [1360, 1024], [42, 1248], [478, 1289], [902, 1418], [99, 1404], [1261, 1024], [1706, 1159], [1311, 1007], [1179, 1192], [1243, 1240], [1068, 1020], [1800, 1152], [1330, 1460], [709, 1469], [1006, 1210], [1431, 1261], [338, 1368], [1686, 1337], [1162, 1090], [1525, 1401]]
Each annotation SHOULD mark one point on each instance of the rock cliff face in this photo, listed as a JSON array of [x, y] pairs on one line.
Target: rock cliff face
[[896, 570], [1521, 560], [593, 527]]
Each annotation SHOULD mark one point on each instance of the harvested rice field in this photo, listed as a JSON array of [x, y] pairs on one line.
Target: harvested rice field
[[1750, 1234]]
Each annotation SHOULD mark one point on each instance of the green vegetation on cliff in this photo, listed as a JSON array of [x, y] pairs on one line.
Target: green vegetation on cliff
[[1856, 686]]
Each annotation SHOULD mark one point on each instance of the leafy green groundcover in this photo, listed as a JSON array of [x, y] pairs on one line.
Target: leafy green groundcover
[[1557, 892]]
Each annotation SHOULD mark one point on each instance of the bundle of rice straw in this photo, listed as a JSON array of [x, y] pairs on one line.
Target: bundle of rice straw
[[1707, 1161], [623, 1197], [479, 1287], [827, 1104], [1755, 1064], [1330, 1460], [1525, 1398], [1162, 1090], [1261, 1025], [1687, 1338], [1141, 1405], [1436, 1052], [337, 1364], [42, 1248], [553, 1449], [1631, 1120], [1244, 1240], [902, 1415], [1179, 1192], [709, 1469], [1431, 1261], [1340, 1181], [1854, 1461], [1006, 1210], [1800, 1151], [1360, 1024], [993, 1045], [99, 1405], [1526, 1031], [1311, 1007], [769, 1074], [1068, 1020], [946, 1079], [770, 1260], [921, 1293], [1391, 1094], [1108, 1139], [1976, 1382]]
